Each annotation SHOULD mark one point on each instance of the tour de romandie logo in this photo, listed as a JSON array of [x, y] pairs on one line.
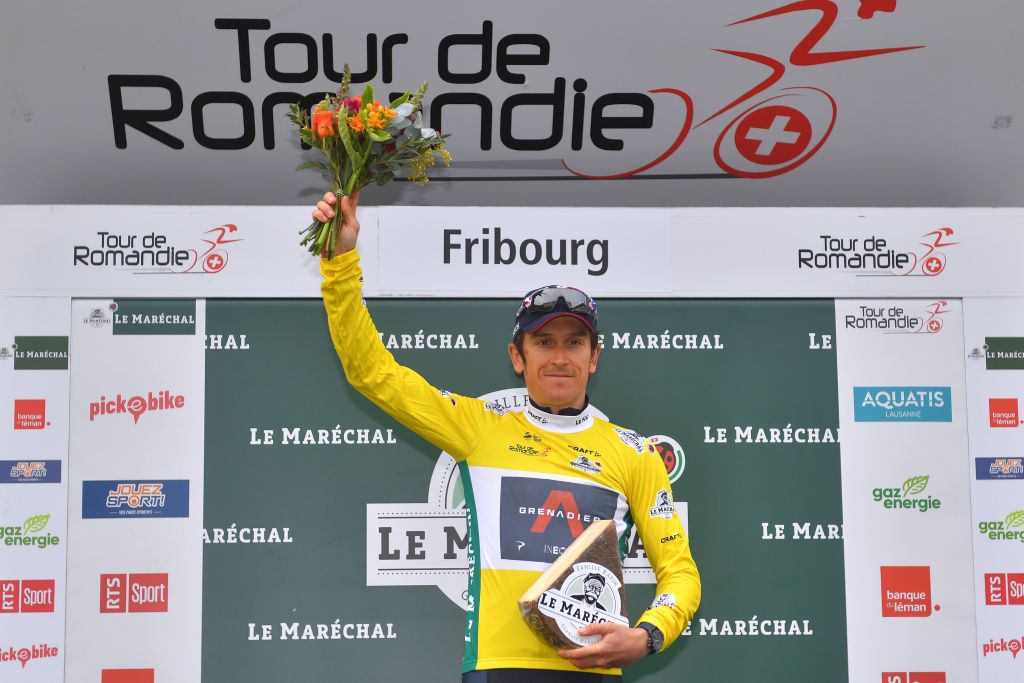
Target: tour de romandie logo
[[425, 544]]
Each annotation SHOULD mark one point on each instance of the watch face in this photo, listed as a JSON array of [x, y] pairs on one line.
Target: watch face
[[655, 639]]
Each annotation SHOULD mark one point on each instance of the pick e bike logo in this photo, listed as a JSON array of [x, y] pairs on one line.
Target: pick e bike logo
[[136, 406], [908, 496]]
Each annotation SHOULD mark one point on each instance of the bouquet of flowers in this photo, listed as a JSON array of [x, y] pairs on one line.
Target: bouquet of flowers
[[365, 142]]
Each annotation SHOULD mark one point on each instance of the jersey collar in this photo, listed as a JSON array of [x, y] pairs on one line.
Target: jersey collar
[[566, 424]]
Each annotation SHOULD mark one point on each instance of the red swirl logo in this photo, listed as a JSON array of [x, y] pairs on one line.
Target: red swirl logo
[[23, 656], [136, 405]]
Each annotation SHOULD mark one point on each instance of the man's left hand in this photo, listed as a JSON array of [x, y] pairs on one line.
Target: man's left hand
[[619, 646]]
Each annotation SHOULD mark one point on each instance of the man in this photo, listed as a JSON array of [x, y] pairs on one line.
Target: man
[[593, 586], [522, 510]]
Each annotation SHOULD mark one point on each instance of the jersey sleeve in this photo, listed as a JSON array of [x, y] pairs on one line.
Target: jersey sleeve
[[666, 544], [449, 421]]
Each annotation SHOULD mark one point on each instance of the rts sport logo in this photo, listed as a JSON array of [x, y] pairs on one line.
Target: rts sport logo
[[999, 468], [1003, 412], [30, 413], [914, 677], [26, 596], [906, 591], [1004, 589], [120, 593], [136, 406]]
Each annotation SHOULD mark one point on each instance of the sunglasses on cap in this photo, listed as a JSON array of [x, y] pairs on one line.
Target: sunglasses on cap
[[546, 299]]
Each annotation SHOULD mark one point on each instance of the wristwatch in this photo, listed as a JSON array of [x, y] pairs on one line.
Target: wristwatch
[[655, 638]]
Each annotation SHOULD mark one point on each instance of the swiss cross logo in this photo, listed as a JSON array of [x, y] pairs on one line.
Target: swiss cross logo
[[914, 677], [1004, 589], [121, 593], [30, 413], [128, 676], [1003, 412], [26, 596], [906, 591]]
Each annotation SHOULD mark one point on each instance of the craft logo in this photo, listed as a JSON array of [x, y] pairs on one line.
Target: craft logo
[[38, 353], [907, 497], [1004, 353], [1013, 646], [585, 464], [30, 413], [30, 533], [671, 454], [26, 596], [128, 676], [1003, 412], [1009, 529], [29, 471], [999, 468], [873, 257], [154, 317], [663, 505], [98, 317], [906, 591], [105, 499], [151, 254], [914, 677], [898, 320], [120, 593], [136, 406], [589, 595], [24, 655], [1004, 589], [902, 404]]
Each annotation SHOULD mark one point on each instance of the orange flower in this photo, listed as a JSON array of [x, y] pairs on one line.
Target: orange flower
[[355, 123], [373, 120], [323, 123]]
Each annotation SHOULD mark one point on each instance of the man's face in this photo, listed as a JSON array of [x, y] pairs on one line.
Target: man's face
[[556, 363], [593, 589]]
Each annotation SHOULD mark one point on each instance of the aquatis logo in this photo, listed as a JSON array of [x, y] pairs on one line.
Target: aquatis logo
[[906, 591], [902, 404]]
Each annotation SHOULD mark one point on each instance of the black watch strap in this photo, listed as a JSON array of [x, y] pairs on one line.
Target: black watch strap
[[655, 638]]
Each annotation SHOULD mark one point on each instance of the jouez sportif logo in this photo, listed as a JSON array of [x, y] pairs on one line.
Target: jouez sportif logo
[[999, 468], [30, 471], [589, 595], [1009, 529], [906, 591], [152, 254], [136, 406], [908, 496]]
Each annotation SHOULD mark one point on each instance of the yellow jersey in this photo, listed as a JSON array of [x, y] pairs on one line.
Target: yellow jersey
[[533, 481]]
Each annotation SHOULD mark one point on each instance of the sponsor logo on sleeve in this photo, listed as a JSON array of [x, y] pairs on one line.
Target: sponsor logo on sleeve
[[631, 439], [907, 592], [902, 404], [585, 464], [663, 505], [664, 600], [671, 454], [120, 593], [29, 471], [134, 499]]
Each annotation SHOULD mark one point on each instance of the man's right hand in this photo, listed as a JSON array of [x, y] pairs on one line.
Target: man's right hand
[[348, 231]]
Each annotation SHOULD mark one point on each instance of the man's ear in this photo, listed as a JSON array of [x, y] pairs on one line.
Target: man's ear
[[593, 358], [518, 362]]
